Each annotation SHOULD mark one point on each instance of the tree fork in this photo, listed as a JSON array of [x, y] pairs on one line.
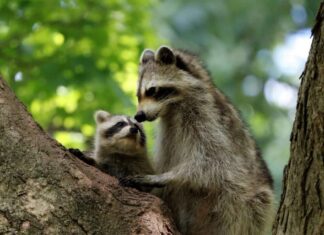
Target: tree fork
[[44, 189]]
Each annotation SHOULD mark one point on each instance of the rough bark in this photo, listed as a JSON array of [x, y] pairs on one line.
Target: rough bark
[[302, 203], [46, 190]]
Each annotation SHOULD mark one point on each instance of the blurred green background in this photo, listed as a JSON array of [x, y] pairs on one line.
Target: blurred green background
[[67, 58]]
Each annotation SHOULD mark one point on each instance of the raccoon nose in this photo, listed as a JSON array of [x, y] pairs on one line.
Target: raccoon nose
[[140, 116], [133, 130]]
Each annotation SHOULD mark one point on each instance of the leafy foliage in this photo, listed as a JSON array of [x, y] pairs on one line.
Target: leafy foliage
[[66, 59]]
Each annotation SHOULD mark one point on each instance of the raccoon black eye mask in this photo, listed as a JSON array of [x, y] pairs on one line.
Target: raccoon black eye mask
[[161, 93], [110, 132]]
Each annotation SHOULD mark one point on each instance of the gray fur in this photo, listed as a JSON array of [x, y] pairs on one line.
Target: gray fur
[[215, 179]]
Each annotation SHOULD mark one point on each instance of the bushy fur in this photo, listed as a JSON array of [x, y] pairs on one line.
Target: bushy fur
[[215, 179]]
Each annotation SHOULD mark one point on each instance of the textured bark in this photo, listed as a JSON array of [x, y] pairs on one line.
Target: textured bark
[[302, 203], [46, 190]]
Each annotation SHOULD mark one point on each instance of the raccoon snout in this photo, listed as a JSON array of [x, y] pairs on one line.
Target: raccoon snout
[[133, 130], [140, 116]]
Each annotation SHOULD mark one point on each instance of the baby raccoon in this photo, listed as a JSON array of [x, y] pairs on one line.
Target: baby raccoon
[[120, 147]]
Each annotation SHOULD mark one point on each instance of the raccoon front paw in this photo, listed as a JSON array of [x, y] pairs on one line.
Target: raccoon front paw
[[76, 152], [131, 181], [139, 181], [82, 156]]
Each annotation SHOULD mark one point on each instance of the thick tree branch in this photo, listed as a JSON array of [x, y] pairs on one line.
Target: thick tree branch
[[46, 190]]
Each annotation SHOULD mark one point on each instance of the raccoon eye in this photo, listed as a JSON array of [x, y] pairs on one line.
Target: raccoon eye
[[150, 92], [120, 124]]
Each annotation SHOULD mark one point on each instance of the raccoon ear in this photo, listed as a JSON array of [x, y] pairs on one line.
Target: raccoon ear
[[147, 55], [101, 116], [165, 55]]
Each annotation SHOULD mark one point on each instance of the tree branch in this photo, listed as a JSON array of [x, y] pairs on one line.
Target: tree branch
[[44, 189]]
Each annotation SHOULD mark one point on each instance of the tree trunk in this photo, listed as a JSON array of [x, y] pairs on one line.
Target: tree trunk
[[46, 190], [302, 202]]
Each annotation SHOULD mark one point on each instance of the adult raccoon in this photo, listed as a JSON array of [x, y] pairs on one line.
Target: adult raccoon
[[215, 180]]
